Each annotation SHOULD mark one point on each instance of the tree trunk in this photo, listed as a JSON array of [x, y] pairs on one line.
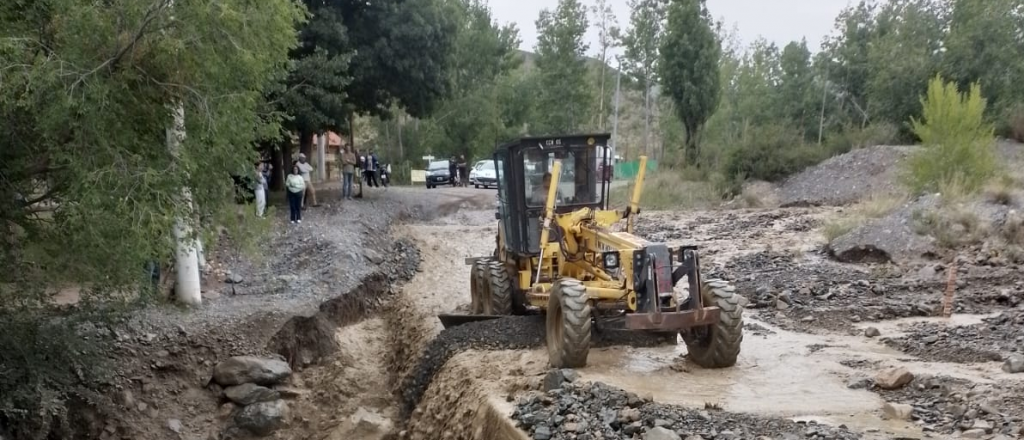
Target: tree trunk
[[600, 108], [352, 141], [647, 117], [401, 147], [306, 144], [187, 287], [286, 156]]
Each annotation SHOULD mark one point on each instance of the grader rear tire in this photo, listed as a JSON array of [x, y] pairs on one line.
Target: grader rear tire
[[478, 287], [717, 346], [568, 324], [499, 289]]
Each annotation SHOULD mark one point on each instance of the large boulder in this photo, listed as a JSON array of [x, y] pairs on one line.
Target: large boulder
[[262, 418], [891, 238], [893, 378], [250, 393], [251, 369]]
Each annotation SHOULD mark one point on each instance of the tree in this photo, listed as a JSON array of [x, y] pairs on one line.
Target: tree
[[904, 53], [690, 53], [642, 41], [797, 99], [843, 61], [565, 99], [90, 192], [607, 38]]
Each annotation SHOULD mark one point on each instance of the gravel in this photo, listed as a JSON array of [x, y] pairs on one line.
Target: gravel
[[992, 340], [951, 406], [587, 411], [846, 178]]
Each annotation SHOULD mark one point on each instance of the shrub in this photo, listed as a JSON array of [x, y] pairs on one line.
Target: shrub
[[1014, 121], [667, 190], [855, 137], [958, 143], [866, 210], [770, 153]]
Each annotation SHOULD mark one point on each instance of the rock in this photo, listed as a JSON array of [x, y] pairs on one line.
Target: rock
[[659, 433], [174, 425], [248, 394], [570, 375], [1014, 364], [893, 378], [225, 410], [368, 424], [973, 433], [872, 332], [234, 278], [807, 319], [859, 383], [373, 256], [781, 305], [251, 369], [930, 339], [262, 418], [553, 380], [542, 433], [892, 238], [898, 411]]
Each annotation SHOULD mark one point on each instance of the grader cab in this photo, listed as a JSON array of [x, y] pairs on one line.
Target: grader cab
[[557, 253]]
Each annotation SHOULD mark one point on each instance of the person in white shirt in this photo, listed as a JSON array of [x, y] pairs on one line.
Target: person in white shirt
[[261, 190], [305, 168]]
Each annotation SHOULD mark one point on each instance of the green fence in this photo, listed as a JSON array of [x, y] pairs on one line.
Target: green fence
[[629, 170]]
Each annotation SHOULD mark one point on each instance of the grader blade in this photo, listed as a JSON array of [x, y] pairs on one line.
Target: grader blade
[[449, 321]]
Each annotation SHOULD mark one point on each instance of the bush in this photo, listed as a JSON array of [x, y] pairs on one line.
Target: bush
[[667, 190], [1015, 123], [866, 210], [959, 144], [855, 137], [770, 153]]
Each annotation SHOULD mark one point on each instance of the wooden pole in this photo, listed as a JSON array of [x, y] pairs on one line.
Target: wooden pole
[[947, 298]]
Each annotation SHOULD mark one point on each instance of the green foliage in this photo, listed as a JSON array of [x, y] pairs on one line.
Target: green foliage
[[669, 190], [770, 153], [690, 53], [958, 142], [564, 99]]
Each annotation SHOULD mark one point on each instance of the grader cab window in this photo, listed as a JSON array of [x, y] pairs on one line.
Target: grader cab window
[[578, 183]]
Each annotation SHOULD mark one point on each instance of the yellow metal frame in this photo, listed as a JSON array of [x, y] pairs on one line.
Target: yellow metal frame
[[587, 237]]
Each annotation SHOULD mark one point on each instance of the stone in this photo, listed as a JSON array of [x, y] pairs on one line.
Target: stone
[[973, 433], [660, 433], [225, 410], [897, 411], [373, 256], [859, 383], [263, 418], [174, 425], [570, 375], [542, 433], [930, 339], [554, 380], [251, 369], [807, 319], [249, 393], [872, 332], [234, 278], [368, 424], [893, 378], [781, 305], [1014, 364]]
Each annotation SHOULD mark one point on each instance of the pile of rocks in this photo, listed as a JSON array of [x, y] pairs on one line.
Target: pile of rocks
[[591, 411], [251, 386], [1000, 338], [953, 406]]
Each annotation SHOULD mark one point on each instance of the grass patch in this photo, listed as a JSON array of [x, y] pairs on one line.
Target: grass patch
[[1001, 191], [867, 210], [952, 227], [666, 190]]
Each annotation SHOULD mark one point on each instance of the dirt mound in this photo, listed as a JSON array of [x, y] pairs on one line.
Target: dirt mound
[[991, 340], [596, 410], [892, 238], [846, 178]]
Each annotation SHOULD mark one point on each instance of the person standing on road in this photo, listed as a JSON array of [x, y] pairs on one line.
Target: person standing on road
[[306, 169], [296, 187], [261, 190], [453, 171], [463, 175], [369, 169], [348, 169]]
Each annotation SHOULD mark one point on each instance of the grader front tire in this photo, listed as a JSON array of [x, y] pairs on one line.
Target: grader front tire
[[479, 287], [717, 346], [568, 324], [499, 289]]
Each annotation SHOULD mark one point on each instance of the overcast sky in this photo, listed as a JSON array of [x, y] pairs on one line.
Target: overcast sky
[[780, 21]]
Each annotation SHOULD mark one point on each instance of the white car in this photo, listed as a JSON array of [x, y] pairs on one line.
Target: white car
[[484, 174]]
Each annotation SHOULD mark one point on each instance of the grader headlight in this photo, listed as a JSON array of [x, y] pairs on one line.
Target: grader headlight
[[611, 260]]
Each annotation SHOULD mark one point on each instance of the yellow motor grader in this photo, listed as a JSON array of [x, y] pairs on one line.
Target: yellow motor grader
[[557, 254]]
